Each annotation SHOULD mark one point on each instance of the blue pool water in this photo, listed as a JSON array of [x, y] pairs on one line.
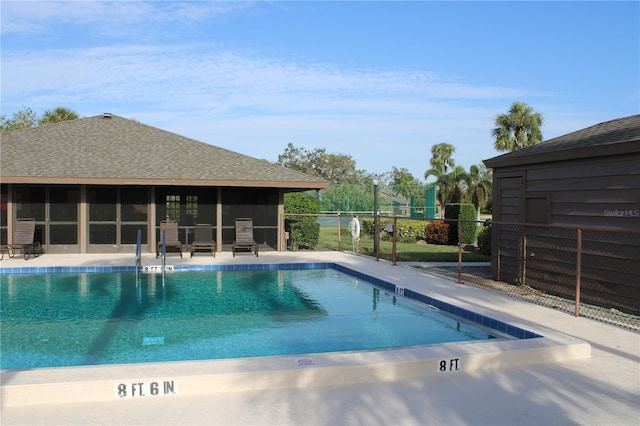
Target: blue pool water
[[57, 320]]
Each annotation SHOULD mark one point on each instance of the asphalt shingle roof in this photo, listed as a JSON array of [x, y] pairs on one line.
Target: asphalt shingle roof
[[109, 147], [611, 137]]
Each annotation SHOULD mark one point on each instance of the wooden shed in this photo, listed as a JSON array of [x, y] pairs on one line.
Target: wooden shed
[[568, 210]]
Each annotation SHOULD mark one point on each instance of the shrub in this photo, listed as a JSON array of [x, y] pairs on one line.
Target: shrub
[[465, 212], [303, 234], [366, 226], [301, 203], [304, 231], [437, 232], [409, 231], [484, 239]]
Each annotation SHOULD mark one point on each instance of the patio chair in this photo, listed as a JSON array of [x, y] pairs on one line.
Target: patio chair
[[203, 239], [172, 241], [244, 236], [23, 236]]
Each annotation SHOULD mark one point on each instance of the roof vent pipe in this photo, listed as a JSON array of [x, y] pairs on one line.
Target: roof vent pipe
[[106, 115]]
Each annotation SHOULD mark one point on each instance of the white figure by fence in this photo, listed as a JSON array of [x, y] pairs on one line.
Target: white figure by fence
[[354, 227]]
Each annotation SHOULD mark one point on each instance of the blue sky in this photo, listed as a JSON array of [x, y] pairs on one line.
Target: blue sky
[[380, 81]]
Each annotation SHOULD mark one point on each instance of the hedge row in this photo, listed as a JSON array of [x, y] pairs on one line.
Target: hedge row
[[410, 231], [304, 231]]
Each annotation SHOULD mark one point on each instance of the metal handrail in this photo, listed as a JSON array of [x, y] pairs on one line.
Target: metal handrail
[[164, 254], [138, 265], [138, 250]]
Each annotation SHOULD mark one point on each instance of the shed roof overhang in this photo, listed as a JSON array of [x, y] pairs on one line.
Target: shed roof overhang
[[615, 137], [509, 160]]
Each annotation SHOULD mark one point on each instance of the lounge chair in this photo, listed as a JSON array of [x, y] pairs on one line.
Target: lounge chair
[[23, 236], [244, 236], [203, 239], [172, 241]]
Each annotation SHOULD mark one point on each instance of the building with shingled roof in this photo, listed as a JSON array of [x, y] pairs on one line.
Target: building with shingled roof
[[573, 197], [92, 183]]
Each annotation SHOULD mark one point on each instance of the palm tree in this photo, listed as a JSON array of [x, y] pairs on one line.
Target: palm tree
[[57, 115], [517, 129], [480, 186], [448, 185], [441, 157]]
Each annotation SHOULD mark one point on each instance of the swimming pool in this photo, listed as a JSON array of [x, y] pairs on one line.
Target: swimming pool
[[55, 320], [102, 383]]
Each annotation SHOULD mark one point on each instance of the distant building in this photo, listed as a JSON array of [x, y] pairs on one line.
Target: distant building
[[588, 178], [92, 183]]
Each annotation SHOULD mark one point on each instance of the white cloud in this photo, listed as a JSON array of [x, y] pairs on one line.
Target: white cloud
[[257, 105], [118, 19], [228, 83], [238, 100]]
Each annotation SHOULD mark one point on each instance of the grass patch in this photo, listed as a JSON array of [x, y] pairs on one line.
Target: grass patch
[[405, 252]]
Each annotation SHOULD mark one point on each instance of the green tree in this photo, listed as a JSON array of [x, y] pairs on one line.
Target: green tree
[[303, 231], [441, 157], [449, 185], [403, 180], [335, 168], [480, 184], [23, 119], [26, 118], [57, 115], [518, 128], [346, 198], [403, 183]]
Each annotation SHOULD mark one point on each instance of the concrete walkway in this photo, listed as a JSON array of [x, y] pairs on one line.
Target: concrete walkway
[[603, 389]]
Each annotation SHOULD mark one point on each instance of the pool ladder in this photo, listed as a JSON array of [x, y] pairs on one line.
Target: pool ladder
[[138, 264], [164, 255]]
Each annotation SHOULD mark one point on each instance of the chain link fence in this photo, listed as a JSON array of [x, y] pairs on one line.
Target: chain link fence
[[584, 271]]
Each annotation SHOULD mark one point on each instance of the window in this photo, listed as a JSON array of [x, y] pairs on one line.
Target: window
[[192, 206], [186, 205], [116, 215], [173, 207], [4, 199], [63, 215], [537, 209]]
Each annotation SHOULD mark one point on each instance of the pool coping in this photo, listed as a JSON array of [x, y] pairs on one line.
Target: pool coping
[[123, 381], [103, 383]]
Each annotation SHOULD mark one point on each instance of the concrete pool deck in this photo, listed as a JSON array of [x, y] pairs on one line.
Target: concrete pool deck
[[601, 389]]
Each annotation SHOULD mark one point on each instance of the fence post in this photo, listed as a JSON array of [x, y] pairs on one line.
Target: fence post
[[339, 233], [523, 275], [395, 233], [376, 235], [460, 251], [283, 235], [578, 271]]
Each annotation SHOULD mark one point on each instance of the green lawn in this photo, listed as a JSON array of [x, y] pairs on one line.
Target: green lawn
[[405, 252]]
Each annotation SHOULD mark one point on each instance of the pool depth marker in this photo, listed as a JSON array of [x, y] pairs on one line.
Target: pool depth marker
[[163, 266]]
